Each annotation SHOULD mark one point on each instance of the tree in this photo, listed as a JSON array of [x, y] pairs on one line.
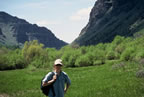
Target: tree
[[32, 49]]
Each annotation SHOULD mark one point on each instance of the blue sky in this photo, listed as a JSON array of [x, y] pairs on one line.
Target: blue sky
[[65, 18]]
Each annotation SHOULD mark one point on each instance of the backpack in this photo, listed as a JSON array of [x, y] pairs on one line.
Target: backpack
[[45, 89]]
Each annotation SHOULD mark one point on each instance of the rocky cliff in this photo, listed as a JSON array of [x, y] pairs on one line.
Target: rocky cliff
[[109, 18], [15, 31]]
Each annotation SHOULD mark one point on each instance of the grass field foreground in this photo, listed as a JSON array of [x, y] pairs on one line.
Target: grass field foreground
[[93, 81]]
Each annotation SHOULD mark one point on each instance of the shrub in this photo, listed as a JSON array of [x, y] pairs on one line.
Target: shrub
[[142, 61], [20, 62], [37, 63], [111, 55], [65, 58], [52, 54], [83, 50], [140, 74], [41, 62], [69, 57], [12, 60], [119, 65], [128, 54], [3, 63], [16, 60], [101, 46], [120, 48], [117, 40], [83, 61], [139, 55], [32, 49], [98, 62], [99, 55], [72, 59]]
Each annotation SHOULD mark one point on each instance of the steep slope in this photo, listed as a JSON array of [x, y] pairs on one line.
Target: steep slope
[[109, 18], [15, 31]]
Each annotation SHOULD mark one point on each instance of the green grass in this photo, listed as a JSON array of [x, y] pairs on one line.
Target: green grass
[[94, 81]]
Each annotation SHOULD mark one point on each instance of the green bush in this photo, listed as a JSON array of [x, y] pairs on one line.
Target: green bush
[[12, 60], [16, 60], [70, 56], [37, 63], [120, 48], [66, 57], [139, 55], [127, 55], [118, 39], [41, 62], [52, 54], [99, 56], [83, 61], [72, 59], [101, 46], [98, 62], [3, 63], [32, 49], [111, 55]]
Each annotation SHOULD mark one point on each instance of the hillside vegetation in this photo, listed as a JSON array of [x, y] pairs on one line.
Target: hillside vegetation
[[34, 54]]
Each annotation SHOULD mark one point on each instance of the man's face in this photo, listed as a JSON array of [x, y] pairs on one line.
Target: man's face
[[57, 67]]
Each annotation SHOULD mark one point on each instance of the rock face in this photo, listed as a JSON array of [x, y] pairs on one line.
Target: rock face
[[15, 31], [109, 18]]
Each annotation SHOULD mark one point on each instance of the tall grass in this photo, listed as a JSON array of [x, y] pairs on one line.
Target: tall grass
[[93, 81]]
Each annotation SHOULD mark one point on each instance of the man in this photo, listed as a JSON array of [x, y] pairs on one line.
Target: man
[[59, 79]]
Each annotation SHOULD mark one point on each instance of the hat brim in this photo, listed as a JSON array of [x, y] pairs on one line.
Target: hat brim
[[58, 64]]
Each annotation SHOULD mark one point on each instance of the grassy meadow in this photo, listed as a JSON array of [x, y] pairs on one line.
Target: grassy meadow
[[92, 81]]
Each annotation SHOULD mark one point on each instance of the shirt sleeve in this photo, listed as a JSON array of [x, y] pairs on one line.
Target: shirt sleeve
[[67, 79], [47, 77]]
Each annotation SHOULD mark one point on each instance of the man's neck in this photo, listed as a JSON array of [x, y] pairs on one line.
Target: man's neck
[[57, 71]]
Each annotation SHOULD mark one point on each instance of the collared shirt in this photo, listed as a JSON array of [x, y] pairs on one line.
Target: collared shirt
[[59, 84]]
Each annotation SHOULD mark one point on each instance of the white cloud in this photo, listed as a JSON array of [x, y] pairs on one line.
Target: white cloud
[[82, 14], [47, 23], [36, 5]]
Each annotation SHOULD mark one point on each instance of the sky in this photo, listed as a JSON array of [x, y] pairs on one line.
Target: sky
[[65, 18]]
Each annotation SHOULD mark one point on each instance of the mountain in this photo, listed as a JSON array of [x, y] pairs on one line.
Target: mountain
[[15, 31], [109, 18]]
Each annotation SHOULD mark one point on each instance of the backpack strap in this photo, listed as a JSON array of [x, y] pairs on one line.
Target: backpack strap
[[52, 84]]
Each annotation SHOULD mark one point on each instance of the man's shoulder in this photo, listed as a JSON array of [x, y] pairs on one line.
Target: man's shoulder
[[64, 73], [67, 79], [50, 74]]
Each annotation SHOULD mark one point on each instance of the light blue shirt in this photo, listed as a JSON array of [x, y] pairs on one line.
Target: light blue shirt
[[59, 84]]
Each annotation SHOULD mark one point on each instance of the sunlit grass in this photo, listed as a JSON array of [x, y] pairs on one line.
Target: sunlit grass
[[93, 81]]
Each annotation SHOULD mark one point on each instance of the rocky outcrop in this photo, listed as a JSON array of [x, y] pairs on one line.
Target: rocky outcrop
[[109, 18], [15, 31]]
